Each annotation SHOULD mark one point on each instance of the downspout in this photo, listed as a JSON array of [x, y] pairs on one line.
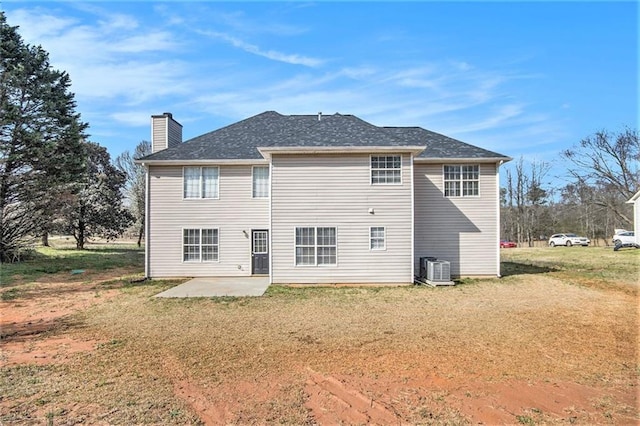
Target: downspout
[[413, 225], [270, 220], [147, 220], [497, 242]]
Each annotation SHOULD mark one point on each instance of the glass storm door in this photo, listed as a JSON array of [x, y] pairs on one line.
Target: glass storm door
[[260, 252]]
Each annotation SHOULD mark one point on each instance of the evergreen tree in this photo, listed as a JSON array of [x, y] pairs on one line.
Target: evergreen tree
[[40, 137]]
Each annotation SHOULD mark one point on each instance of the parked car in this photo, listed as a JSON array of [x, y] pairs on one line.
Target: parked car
[[624, 237], [568, 240], [508, 244]]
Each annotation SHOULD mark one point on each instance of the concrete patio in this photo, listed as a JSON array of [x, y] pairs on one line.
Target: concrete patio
[[219, 286]]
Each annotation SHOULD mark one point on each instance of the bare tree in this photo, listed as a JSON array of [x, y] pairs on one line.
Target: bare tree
[[135, 184], [610, 164], [524, 201]]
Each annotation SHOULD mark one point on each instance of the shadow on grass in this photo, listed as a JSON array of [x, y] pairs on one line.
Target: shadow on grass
[[138, 282], [46, 261], [514, 268]]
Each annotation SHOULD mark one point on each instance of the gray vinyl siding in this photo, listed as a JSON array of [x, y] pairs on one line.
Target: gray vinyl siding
[[335, 191], [461, 230], [234, 212], [158, 133]]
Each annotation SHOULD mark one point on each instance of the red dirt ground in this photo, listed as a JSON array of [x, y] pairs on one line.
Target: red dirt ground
[[25, 323]]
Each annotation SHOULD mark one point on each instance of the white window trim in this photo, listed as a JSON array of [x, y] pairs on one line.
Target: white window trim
[[191, 262], [253, 168], [385, 183], [461, 181], [384, 238], [315, 259], [217, 197]]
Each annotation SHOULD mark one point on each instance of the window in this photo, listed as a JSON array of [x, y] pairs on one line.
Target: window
[[200, 245], [316, 246], [305, 246], [376, 238], [260, 242], [326, 246], [261, 182], [461, 181], [200, 182], [386, 169]]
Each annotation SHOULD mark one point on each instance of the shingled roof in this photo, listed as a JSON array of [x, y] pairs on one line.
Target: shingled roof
[[239, 141]]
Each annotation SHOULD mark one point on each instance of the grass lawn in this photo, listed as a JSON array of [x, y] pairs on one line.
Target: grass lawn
[[553, 341]]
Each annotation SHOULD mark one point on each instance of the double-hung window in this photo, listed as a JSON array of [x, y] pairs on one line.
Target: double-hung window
[[386, 169], [461, 180], [201, 182], [261, 182], [377, 238], [316, 246], [200, 245]]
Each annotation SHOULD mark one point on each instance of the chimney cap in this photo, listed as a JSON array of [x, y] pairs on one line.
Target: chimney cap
[[319, 115], [167, 114]]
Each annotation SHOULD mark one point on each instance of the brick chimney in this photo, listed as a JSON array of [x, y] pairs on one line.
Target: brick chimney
[[165, 132]]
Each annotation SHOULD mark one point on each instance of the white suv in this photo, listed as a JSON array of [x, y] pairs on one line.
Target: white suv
[[568, 240], [625, 238]]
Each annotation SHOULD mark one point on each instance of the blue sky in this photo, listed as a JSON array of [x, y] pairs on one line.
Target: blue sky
[[522, 79]]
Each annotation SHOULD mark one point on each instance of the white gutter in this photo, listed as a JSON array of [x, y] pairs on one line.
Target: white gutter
[[450, 160], [241, 162]]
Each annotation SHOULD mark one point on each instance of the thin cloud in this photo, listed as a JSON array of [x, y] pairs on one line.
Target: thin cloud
[[104, 60], [47, 24], [132, 118], [150, 42], [274, 55], [432, 96], [496, 118], [135, 82], [118, 22], [240, 22]]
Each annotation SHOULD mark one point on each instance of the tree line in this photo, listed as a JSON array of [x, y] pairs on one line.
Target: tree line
[[602, 174]]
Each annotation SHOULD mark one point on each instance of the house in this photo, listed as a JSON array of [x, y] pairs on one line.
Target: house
[[318, 199], [635, 200]]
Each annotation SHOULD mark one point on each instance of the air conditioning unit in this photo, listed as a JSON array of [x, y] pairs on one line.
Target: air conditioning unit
[[435, 272], [439, 270]]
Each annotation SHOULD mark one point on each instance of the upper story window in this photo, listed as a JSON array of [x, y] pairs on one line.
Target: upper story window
[[462, 180], [200, 182], [386, 169], [260, 181]]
